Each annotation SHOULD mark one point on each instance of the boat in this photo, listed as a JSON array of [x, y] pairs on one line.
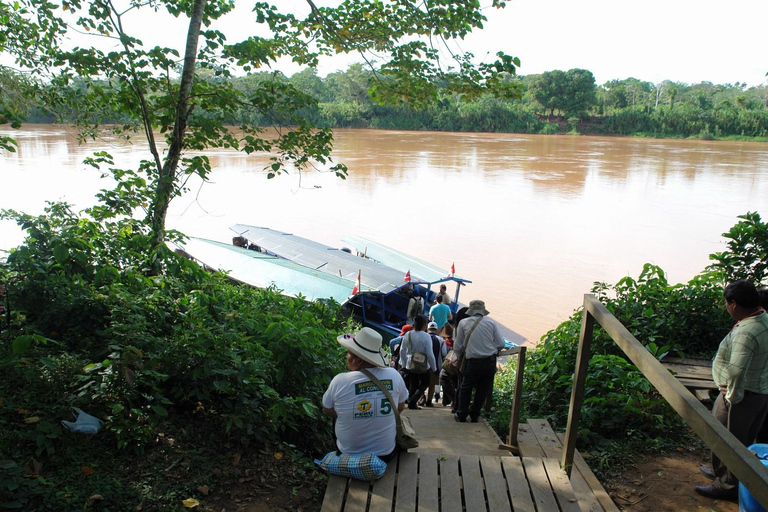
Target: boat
[[380, 285], [263, 270]]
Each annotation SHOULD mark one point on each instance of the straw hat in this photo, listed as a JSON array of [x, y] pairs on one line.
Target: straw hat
[[365, 344]]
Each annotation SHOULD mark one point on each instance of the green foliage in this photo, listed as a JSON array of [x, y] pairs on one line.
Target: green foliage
[[190, 97], [687, 319], [747, 254], [573, 92], [185, 349]]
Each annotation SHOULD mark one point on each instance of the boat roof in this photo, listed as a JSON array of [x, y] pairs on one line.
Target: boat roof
[[263, 270], [399, 260], [374, 276]]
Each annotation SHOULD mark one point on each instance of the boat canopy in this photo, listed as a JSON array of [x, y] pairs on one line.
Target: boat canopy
[[420, 269], [263, 270], [374, 276]]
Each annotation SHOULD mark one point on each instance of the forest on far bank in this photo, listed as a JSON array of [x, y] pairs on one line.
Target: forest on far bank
[[552, 102]]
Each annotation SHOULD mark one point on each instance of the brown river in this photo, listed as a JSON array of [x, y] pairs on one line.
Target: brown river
[[532, 220]]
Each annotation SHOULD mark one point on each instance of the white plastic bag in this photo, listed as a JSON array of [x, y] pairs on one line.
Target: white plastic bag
[[84, 423]]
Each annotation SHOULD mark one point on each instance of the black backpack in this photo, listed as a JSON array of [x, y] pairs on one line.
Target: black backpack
[[394, 360]]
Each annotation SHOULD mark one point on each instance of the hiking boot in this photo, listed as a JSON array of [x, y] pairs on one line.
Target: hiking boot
[[707, 472], [710, 491]]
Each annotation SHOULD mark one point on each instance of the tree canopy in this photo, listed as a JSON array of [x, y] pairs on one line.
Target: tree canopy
[[187, 94], [572, 92]]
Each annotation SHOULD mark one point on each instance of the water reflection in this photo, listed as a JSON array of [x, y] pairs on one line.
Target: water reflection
[[532, 220]]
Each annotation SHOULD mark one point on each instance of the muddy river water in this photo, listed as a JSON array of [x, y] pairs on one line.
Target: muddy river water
[[532, 220]]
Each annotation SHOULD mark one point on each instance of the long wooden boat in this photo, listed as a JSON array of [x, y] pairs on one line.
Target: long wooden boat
[[263, 270], [377, 283]]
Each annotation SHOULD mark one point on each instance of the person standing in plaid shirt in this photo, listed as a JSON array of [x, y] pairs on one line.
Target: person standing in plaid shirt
[[739, 370]]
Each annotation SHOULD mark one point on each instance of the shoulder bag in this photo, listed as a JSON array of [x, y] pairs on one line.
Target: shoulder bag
[[461, 362], [405, 437], [448, 363], [418, 359]]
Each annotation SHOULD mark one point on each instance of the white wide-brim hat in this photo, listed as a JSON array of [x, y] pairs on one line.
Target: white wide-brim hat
[[365, 344]]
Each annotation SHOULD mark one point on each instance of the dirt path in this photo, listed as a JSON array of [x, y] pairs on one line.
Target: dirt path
[[664, 483]]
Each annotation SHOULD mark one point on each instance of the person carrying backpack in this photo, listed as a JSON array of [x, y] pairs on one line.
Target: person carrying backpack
[[394, 347], [417, 360], [440, 350]]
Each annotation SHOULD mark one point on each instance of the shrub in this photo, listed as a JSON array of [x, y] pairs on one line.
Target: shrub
[[146, 354], [747, 254]]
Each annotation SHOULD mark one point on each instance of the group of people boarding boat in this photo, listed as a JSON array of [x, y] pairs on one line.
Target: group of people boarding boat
[[364, 419]]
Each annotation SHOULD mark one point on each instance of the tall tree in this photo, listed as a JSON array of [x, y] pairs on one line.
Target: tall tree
[[549, 89], [580, 92], [573, 92], [164, 89]]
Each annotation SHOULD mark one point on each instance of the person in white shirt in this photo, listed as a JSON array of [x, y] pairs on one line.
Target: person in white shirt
[[364, 421], [478, 337], [417, 340]]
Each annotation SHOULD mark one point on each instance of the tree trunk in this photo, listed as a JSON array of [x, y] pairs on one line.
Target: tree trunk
[[165, 186]]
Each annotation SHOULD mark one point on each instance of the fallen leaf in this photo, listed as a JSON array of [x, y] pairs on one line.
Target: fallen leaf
[[32, 467], [93, 499], [203, 489], [190, 503], [32, 419], [86, 470], [22, 411], [236, 459], [279, 455]]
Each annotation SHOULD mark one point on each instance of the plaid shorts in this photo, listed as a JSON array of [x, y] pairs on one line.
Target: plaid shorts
[[361, 466]]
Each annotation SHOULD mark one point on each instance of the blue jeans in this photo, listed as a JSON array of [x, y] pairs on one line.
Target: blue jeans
[[478, 377]]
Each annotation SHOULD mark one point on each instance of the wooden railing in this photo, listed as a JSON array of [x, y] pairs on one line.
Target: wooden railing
[[740, 461]]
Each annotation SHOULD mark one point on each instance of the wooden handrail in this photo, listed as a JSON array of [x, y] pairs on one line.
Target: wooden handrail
[[743, 463]]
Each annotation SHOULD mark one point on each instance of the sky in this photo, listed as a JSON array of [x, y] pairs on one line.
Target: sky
[[687, 41]]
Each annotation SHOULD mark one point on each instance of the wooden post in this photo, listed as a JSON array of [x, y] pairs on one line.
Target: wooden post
[[514, 418], [577, 392]]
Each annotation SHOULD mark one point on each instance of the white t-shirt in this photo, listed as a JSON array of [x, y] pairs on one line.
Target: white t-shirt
[[365, 421]]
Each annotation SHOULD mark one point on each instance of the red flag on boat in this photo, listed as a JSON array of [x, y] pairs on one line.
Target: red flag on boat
[[357, 284], [407, 277], [453, 269]]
